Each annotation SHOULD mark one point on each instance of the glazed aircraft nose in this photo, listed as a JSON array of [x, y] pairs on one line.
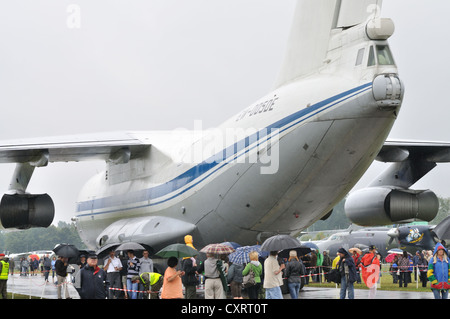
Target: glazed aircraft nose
[[388, 90], [393, 233]]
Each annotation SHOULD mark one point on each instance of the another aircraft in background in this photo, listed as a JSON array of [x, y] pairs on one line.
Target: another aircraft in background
[[410, 238]]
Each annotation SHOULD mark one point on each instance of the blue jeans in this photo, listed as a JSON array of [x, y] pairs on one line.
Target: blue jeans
[[132, 286], [294, 288], [347, 286], [440, 294], [274, 293]]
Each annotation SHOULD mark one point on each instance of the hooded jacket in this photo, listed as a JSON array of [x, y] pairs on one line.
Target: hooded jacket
[[438, 270], [347, 267]]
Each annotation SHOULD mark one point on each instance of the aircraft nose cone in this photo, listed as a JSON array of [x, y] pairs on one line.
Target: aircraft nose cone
[[388, 90]]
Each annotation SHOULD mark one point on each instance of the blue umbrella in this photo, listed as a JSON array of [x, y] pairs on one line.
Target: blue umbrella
[[241, 254], [309, 244]]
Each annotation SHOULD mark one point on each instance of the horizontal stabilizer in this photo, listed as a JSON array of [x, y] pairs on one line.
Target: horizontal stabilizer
[[353, 12]]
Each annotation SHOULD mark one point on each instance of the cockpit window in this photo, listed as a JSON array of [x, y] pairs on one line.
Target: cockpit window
[[384, 55], [371, 61], [360, 57]]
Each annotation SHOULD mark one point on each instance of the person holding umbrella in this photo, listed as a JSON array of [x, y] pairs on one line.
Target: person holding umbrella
[[172, 286], [113, 266], [61, 274], [189, 266], [272, 276], [215, 282]]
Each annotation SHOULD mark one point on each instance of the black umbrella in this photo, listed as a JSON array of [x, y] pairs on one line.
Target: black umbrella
[[66, 250], [279, 242], [130, 246], [301, 251], [76, 260]]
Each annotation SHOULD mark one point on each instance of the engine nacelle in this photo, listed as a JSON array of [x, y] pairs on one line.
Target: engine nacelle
[[24, 211], [378, 206]]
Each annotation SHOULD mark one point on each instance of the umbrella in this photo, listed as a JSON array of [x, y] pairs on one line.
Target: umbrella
[[86, 253], [232, 244], [219, 249], [389, 258], [34, 256], [177, 250], [130, 246], [351, 250], [241, 254], [310, 245], [66, 250], [279, 242], [397, 251], [301, 251]]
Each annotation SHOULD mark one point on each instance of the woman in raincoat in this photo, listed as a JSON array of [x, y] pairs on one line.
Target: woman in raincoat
[[347, 269], [438, 272]]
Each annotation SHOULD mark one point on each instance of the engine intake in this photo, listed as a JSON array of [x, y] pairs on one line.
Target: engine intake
[[378, 206], [24, 211]]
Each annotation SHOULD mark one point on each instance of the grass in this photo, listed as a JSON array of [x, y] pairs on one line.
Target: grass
[[386, 283]]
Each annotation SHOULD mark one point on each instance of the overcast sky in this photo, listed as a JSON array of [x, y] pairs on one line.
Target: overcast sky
[[69, 67]]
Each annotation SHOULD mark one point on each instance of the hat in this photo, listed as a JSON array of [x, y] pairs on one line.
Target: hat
[[2, 255], [372, 247], [92, 256]]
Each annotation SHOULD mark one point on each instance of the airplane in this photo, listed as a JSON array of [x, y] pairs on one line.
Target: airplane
[[410, 238], [276, 167]]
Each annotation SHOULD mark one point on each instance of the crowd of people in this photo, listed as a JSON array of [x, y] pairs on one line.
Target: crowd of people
[[129, 277]]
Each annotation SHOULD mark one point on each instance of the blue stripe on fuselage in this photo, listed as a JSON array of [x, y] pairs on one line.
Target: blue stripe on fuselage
[[214, 163]]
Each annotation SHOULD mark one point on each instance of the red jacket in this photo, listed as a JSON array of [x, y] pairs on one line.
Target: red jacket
[[370, 269]]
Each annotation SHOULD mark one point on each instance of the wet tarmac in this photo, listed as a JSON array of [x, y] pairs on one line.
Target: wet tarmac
[[36, 286]]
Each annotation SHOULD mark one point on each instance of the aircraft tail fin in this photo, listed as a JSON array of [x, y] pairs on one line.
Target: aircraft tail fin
[[311, 30]]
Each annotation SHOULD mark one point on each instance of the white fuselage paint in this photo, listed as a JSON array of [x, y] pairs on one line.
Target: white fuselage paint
[[329, 128]]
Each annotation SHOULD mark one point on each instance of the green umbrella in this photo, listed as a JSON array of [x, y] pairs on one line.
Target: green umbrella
[[177, 250]]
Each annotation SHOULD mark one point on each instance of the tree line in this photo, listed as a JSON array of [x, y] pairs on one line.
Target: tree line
[[40, 238]]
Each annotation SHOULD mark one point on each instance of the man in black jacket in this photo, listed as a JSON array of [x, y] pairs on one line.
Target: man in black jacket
[[92, 280]]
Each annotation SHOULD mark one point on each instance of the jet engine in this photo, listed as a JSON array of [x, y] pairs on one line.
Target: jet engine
[[24, 211], [378, 206]]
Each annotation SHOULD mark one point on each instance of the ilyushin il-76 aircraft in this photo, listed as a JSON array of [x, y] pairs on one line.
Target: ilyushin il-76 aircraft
[[276, 167]]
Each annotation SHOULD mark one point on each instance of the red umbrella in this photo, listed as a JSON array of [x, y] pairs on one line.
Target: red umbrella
[[389, 258], [34, 256]]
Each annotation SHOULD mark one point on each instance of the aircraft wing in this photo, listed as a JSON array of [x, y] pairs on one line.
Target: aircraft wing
[[118, 146], [411, 161], [399, 151]]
